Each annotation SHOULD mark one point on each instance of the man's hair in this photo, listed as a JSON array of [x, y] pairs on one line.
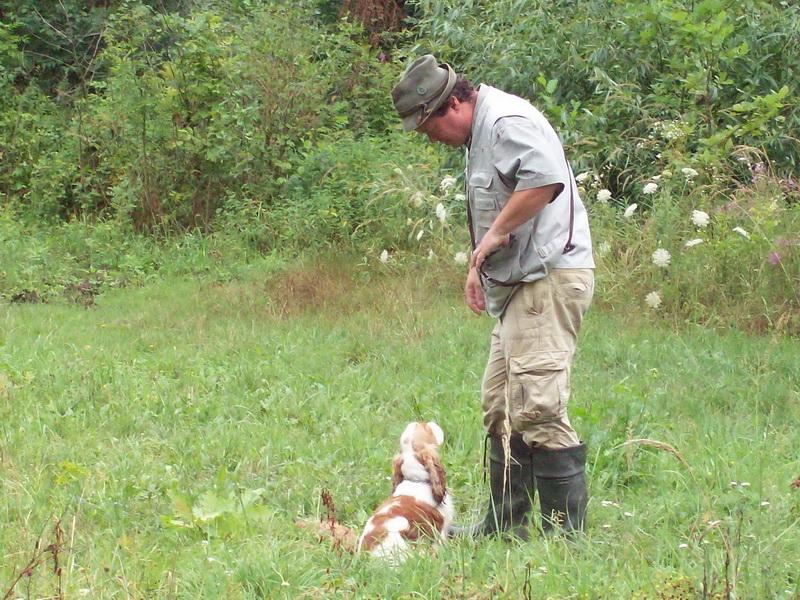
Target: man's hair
[[462, 90]]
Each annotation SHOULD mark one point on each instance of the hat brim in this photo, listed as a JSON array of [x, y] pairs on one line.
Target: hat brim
[[417, 118]]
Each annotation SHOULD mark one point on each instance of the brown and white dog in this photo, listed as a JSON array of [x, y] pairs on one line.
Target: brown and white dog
[[419, 506]]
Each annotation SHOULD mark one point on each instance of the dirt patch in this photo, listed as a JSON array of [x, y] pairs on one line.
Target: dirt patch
[[26, 297], [81, 293], [310, 289]]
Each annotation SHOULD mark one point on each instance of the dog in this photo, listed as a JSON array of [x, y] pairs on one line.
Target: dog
[[420, 506]]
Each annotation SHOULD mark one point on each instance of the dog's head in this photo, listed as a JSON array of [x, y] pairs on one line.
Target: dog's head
[[419, 435], [423, 441]]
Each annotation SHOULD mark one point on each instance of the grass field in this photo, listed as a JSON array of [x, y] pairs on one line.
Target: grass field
[[166, 440]]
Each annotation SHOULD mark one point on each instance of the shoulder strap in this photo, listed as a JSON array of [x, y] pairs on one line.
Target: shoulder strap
[[569, 246]]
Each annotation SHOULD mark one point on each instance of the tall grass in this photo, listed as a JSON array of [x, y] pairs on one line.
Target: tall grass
[[177, 431]]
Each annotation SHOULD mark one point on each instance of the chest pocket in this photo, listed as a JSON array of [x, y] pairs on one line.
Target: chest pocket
[[484, 202]]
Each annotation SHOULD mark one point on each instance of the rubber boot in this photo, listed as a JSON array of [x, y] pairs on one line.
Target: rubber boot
[[511, 489], [561, 482]]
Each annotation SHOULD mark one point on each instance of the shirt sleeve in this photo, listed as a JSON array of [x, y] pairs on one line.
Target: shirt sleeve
[[525, 155]]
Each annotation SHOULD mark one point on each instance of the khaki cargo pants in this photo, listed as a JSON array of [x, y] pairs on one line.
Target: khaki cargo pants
[[526, 383]]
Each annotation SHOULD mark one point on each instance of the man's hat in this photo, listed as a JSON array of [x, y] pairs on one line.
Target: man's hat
[[422, 89]]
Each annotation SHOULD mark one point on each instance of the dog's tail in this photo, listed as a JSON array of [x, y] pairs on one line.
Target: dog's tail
[[342, 536]]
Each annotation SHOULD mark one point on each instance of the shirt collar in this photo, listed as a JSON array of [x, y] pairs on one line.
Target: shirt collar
[[482, 91]]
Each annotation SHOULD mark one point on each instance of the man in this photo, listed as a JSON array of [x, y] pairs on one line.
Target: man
[[531, 268]]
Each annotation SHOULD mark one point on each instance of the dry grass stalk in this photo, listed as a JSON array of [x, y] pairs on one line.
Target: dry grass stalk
[[659, 446]]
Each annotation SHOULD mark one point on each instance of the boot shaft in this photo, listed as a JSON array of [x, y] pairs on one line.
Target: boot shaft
[[561, 483]]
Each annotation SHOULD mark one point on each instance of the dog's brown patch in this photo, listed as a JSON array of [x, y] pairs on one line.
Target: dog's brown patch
[[423, 521]]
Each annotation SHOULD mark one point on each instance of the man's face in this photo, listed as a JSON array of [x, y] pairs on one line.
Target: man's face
[[446, 129]]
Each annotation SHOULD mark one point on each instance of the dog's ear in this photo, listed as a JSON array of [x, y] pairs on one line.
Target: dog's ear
[[437, 432], [407, 437], [397, 471], [430, 460]]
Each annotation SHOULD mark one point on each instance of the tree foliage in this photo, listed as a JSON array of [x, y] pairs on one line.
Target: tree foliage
[[635, 87], [180, 110], [161, 113]]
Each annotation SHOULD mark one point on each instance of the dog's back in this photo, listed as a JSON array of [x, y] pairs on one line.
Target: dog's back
[[419, 506]]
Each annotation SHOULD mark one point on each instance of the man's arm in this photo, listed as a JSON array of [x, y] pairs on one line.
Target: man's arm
[[521, 207]]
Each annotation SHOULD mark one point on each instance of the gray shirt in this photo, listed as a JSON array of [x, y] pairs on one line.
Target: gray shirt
[[512, 148]]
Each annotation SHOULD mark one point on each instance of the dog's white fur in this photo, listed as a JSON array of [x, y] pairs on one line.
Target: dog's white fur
[[419, 505]]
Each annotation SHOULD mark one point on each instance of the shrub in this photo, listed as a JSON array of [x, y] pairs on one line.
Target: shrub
[[191, 108], [632, 85], [741, 268], [366, 194]]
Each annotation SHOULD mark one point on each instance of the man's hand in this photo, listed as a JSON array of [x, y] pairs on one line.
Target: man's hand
[[490, 242], [473, 292]]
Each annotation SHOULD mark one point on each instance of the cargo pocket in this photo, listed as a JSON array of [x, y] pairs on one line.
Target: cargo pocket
[[575, 284], [538, 386]]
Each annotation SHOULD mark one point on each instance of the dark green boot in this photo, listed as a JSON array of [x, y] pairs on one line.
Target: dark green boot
[[511, 488], [561, 482]]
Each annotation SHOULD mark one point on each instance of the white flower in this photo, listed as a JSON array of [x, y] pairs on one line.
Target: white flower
[[459, 197], [384, 257], [653, 300], [650, 188], [441, 212], [431, 255], [420, 234], [417, 198], [661, 258], [700, 218], [627, 514], [604, 195], [683, 546], [603, 248], [745, 484], [689, 173], [448, 182], [460, 258], [693, 243], [580, 178], [630, 210], [741, 232], [765, 503]]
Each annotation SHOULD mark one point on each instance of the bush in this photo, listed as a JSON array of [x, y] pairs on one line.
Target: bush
[[636, 88], [191, 108], [742, 267], [369, 194]]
